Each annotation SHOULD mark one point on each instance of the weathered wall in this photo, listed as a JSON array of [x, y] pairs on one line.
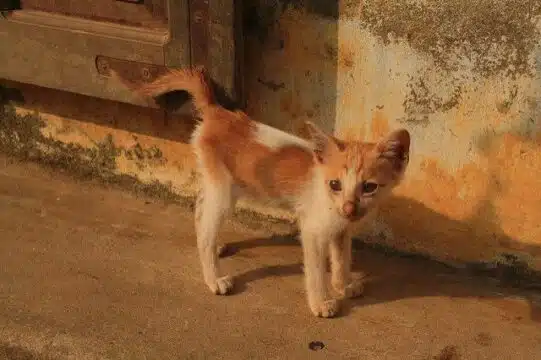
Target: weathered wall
[[463, 77]]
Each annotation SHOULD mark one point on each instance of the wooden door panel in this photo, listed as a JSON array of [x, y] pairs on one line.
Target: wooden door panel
[[60, 52], [144, 13]]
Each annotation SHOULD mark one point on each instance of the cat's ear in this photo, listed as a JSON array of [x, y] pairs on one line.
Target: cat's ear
[[323, 143], [395, 147]]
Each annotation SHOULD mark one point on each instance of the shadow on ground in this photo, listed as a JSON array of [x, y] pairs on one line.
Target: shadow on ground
[[393, 275], [14, 352]]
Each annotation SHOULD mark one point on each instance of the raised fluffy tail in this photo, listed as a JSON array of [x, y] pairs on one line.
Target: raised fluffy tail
[[194, 81]]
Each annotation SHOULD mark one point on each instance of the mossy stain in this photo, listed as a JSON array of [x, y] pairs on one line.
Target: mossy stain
[[496, 36]]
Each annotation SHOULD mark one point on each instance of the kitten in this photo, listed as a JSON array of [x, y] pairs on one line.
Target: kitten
[[329, 183]]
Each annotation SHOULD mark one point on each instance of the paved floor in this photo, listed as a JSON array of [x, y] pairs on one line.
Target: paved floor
[[93, 273]]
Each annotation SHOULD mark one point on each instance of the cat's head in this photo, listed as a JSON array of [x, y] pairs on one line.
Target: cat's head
[[358, 175]]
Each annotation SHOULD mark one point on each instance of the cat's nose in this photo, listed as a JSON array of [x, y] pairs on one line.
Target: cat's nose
[[349, 208]]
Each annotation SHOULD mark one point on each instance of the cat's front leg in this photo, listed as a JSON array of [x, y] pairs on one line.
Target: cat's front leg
[[315, 250], [341, 279]]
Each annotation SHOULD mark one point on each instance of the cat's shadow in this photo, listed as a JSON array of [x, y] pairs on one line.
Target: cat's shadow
[[391, 276], [243, 279]]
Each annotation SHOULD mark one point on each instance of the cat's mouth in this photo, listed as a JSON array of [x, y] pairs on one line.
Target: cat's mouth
[[355, 217]]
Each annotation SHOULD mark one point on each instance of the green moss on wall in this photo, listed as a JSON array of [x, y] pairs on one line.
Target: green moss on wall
[[497, 36], [21, 137]]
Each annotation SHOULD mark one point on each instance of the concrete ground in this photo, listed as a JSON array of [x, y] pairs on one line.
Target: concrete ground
[[89, 272]]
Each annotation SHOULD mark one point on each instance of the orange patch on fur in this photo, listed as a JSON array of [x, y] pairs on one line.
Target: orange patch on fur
[[229, 139]]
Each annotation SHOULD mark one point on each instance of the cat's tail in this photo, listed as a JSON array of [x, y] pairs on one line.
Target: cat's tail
[[194, 81]]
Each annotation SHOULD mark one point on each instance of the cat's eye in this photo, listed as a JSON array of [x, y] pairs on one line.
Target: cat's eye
[[369, 187], [335, 185]]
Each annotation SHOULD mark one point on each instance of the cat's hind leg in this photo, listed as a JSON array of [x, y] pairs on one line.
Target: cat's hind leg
[[214, 202]]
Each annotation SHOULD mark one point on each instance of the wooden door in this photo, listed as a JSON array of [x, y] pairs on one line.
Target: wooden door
[[72, 44]]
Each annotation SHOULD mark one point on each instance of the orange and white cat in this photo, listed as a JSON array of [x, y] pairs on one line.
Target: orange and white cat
[[329, 183]]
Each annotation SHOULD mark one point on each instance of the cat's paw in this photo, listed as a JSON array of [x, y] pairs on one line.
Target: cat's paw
[[326, 309], [221, 286]]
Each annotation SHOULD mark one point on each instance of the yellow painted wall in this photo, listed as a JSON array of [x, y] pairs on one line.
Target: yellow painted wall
[[461, 76]]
